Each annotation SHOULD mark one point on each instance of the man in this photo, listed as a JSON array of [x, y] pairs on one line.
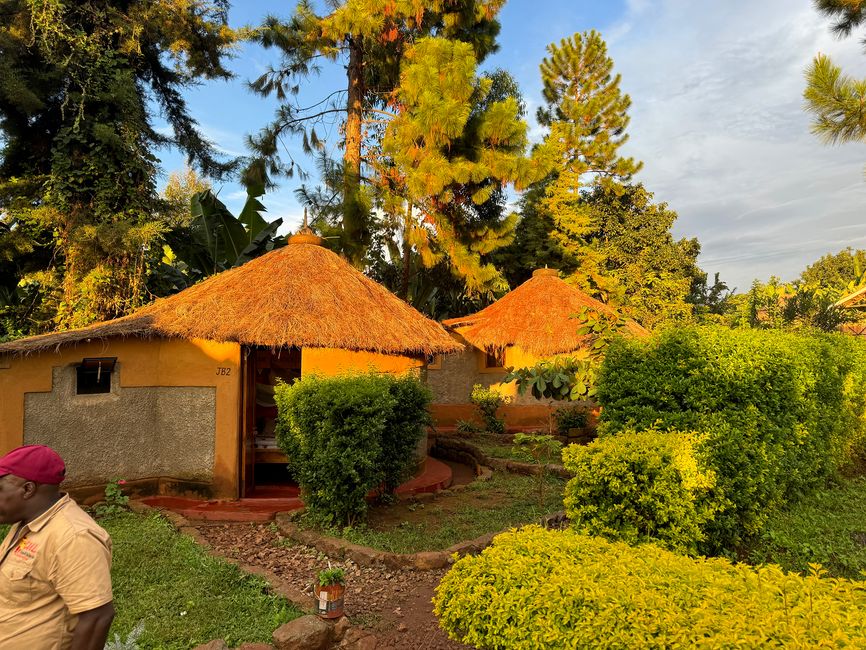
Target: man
[[55, 563]]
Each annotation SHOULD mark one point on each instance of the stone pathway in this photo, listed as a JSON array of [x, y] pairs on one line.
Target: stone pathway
[[394, 605]]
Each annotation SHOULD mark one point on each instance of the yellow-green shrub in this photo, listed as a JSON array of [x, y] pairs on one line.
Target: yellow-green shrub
[[781, 412], [640, 486], [535, 588]]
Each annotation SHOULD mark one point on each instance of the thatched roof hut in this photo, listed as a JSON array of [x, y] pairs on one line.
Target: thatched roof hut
[[538, 316], [302, 295]]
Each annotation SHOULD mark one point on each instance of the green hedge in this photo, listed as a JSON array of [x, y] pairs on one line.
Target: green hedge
[[346, 436], [640, 486], [535, 588], [779, 412]]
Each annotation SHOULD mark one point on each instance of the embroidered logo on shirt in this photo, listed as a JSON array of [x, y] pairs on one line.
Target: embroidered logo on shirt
[[25, 550]]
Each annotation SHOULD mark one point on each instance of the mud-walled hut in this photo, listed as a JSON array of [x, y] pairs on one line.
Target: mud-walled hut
[[177, 398], [533, 322]]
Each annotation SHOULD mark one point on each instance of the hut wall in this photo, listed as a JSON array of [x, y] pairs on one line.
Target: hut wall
[[330, 362], [172, 411], [452, 378]]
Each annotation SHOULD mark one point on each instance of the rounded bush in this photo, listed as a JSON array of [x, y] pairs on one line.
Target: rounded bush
[[780, 413], [346, 436], [535, 588], [640, 486]]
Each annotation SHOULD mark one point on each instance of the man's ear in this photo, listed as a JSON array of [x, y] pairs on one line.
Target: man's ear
[[29, 488]]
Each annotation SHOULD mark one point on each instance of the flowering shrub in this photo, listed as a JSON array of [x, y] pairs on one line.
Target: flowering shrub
[[536, 588]]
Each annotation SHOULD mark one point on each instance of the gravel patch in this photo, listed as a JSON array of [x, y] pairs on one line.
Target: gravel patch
[[393, 604]]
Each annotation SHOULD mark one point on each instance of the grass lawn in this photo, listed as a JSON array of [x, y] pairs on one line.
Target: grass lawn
[[505, 501], [827, 528], [183, 596]]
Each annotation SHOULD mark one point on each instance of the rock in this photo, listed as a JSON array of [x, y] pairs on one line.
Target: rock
[[431, 560], [256, 646], [402, 627], [368, 642], [340, 628], [216, 644], [304, 633]]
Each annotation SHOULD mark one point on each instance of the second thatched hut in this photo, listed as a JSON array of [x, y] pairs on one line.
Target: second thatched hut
[[533, 322]]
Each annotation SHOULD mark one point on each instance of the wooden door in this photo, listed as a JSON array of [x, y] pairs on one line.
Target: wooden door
[[247, 421]]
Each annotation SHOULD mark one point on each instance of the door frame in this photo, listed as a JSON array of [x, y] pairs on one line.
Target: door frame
[[247, 424]]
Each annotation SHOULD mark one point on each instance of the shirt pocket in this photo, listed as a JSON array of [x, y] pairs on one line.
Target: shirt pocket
[[17, 583]]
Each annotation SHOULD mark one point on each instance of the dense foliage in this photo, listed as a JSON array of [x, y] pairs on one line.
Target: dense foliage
[[82, 83], [626, 252], [778, 413], [640, 487], [558, 589], [347, 436], [370, 40]]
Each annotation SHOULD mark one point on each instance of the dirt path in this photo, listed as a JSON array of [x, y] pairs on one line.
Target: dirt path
[[395, 605]]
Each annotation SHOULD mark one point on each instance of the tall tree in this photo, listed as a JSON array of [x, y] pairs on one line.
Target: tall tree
[[627, 248], [844, 272], [447, 155], [369, 38], [77, 124], [586, 114]]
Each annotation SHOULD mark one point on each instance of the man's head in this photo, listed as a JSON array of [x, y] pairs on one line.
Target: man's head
[[29, 480]]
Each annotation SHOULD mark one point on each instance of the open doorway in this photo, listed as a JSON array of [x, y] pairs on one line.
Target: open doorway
[[265, 465]]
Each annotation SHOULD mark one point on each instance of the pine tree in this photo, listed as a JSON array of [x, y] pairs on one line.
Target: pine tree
[[586, 114], [75, 113], [836, 100], [369, 37], [449, 150]]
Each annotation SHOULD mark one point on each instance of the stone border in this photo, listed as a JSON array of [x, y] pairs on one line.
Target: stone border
[[421, 561], [461, 451], [297, 597]]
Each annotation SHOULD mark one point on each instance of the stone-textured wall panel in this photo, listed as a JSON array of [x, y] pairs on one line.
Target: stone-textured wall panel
[[130, 433], [453, 381]]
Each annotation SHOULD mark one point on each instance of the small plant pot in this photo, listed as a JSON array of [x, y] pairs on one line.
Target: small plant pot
[[329, 600]]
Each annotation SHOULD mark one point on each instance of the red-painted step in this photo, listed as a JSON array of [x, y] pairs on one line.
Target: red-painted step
[[267, 501]]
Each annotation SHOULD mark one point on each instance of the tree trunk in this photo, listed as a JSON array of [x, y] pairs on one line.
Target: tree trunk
[[407, 254], [354, 215]]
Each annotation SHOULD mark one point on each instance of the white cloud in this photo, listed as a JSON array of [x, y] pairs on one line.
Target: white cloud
[[718, 119]]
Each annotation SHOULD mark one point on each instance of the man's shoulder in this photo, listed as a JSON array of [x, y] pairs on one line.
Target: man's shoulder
[[72, 521]]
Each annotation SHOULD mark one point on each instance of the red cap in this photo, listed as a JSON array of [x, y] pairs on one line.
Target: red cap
[[36, 463]]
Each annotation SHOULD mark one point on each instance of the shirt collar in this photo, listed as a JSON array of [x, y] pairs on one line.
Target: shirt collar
[[45, 517]]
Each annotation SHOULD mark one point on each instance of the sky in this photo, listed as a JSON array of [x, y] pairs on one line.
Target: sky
[[717, 118]]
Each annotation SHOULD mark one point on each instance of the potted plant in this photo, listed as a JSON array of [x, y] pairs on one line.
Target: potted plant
[[329, 590]]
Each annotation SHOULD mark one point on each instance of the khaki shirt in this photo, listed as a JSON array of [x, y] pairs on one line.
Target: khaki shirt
[[51, 570]]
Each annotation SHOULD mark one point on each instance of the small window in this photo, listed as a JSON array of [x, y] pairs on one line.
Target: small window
[[495, 358], [434, 362], [93, 376]]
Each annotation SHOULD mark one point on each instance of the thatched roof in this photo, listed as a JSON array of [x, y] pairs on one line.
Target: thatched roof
[[536, 316], [301, 295]]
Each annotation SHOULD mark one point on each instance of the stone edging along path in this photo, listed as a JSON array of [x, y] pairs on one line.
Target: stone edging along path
[[450, 447], [367, 556], [181, 524]]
